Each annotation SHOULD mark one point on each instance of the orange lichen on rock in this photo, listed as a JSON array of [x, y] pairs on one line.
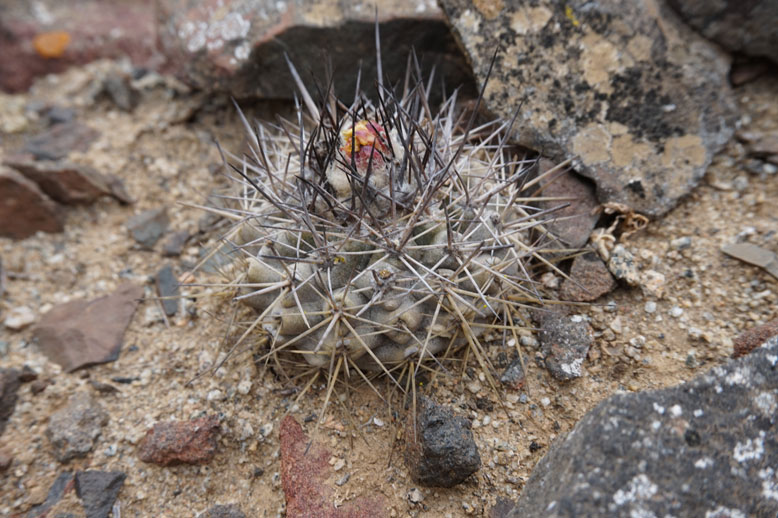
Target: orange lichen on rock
[[51, 44]]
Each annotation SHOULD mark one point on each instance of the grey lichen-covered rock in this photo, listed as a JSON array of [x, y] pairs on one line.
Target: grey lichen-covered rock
[[565, 342], [622, 265], [73, 430], [635, 97], [239, 45], [705, 448], [440, 449], [747, 27]]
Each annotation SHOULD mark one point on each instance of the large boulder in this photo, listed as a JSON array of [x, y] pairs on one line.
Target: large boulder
[[239, 45], [634, 96], [705, 448]]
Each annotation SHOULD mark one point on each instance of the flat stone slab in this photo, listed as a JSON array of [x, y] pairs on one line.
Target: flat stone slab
[[81, 332]]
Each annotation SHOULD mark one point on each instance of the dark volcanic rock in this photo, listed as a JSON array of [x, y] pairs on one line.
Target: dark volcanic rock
[[745, 27], [59, 115], [9, 385], [513, 375], [705, 448], [24, 208], [147, 227], [96, 29], [73, 430], [81, 333], [98, 491], [223, 511], [440, 450], [634, 96], [305, 471], [167, 286], [58, 141], [239, 45], [119, 91], [180, 442], [589, 280], [61, 485], [174, 244], [565, 342]]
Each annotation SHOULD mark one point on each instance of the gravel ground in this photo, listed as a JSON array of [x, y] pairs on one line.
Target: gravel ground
[[691, 302]]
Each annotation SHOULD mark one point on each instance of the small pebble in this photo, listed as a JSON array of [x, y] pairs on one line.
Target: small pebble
[[474, 387], [740, 183], [215, 395], [18, 318], [616, 326], [244, 387], [681, 243], [415, 496], [676, 311], [650, 306], [549, 280]]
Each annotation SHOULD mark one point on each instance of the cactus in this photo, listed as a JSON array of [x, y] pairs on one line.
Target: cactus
[[383, 234]]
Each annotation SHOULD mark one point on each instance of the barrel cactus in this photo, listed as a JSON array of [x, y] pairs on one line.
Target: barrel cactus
[[384, 233]]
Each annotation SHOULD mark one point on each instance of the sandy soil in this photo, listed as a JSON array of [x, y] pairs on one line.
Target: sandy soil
[[164, 151]]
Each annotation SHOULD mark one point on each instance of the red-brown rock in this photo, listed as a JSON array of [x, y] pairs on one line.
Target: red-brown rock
[[180, 442], [752, 338], [24, 208], [98, 30], [589, 279], [304, 474], [81, 332], [573, 223], [64, 182]]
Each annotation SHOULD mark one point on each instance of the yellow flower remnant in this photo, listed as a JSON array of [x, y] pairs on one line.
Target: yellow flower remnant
[[363, 134]]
